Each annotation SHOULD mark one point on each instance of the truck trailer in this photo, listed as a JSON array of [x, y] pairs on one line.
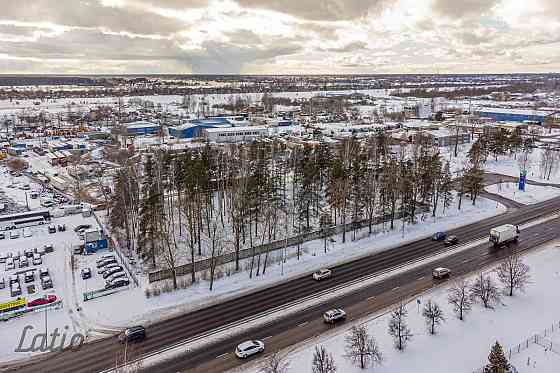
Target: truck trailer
[[504, 234]]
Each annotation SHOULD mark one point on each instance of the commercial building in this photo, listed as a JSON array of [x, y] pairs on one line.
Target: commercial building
[[234, 134], [444, 137], [513, 115], [142, 128], [193, 128]]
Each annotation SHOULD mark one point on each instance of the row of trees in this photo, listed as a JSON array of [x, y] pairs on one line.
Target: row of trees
[[175, 208], [363, 350]]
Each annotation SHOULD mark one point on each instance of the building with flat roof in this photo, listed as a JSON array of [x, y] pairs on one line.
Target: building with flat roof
[[142, 128], [234, 134], [513, 115]]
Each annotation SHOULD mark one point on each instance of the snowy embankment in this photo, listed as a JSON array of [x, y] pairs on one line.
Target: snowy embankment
[[141, 309], [532, 194], [460, 346]]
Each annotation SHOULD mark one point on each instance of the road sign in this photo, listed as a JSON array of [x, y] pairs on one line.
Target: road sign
[[522, 180]]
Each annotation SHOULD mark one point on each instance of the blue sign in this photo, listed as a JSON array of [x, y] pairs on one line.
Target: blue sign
[[522, 181]]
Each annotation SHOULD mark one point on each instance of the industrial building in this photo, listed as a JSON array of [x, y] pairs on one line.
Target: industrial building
[[193, 128], [513, 115], [444, 137], [142, 128], [234, 134]]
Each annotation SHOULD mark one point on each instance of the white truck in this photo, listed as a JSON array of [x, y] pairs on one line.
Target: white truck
[[504, 234]]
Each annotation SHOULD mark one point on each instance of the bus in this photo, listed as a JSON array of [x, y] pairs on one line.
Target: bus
[[24, 219]]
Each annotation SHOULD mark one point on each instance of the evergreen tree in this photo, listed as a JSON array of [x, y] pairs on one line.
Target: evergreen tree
[[497, 362]]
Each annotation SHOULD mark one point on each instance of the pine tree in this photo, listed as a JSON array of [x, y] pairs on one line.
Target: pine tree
[[497, 362]]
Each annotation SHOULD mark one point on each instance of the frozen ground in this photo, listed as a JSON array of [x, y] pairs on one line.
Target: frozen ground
[[140, 309], [531, 195], [460, 346]]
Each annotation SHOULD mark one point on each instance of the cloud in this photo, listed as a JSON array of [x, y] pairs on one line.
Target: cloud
[[350, 47], [457, 9], [326, 10], [90, 14]]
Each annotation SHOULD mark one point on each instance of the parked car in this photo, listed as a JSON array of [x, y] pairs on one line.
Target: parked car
[[108, 268], [116, 275], [46, 283], [47, 299], [249, 348], [439, 236], [43, 272], [37, 260], [106, 262], [2, 235], [334, 315], [105, 257], [49, 248], [322, 274], [61, 227], [10, 265], [2, 283], [15, 289], [3, 257], [112, 271], [86, 273], [441, 272], [27, 232], [117, 283], [133, 334], [14, 234], [28, 253], [23, 262], [82, 227], [52, 228], [28, 277], [451, 240], [48, 203]]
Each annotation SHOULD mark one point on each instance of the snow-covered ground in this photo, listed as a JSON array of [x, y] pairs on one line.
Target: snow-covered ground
[[460, 346], [58, 264], [531, 195], [141, 309]]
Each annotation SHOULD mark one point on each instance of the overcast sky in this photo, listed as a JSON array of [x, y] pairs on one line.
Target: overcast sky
[[279, 36]]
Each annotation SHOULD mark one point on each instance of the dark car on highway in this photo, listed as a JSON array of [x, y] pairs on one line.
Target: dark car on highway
[[439, 236], [451, 240]]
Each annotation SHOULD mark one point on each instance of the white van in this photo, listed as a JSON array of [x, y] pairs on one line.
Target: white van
[[441, 272]]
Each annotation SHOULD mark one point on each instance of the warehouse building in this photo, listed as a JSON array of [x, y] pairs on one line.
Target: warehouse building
[[234, 134], [513, 115], [445, 137], [193, 128], [142, 128]]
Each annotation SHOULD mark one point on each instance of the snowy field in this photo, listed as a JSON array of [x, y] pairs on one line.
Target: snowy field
[[141, 309], [459, 346], [532, 194]]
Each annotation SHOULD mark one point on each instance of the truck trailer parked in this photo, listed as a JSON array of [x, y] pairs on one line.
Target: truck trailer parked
[[504, 234]]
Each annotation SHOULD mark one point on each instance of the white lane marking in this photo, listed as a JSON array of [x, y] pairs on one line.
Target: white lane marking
[[222, 355], [396, 288], [303, 324]]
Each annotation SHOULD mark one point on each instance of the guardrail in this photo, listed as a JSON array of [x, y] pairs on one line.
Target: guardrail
[[89, 295]]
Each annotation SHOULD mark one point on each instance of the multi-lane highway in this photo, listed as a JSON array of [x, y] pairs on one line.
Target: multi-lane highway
[[217, 357]]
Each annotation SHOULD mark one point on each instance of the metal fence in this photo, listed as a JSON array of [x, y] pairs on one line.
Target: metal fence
[[230, 257], [117, 248], [538, 339]]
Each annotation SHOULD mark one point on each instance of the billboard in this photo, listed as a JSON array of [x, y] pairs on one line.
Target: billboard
[[12, 305]]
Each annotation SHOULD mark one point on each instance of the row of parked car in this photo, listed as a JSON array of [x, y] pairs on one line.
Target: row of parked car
[[28, 277], [113, 273], [22, 258]]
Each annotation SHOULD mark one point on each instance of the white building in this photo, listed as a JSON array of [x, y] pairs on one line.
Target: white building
[[234, 134]]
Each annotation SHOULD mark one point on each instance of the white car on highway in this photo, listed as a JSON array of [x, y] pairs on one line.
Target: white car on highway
[[335, 315], [249, 348], [322, 274]]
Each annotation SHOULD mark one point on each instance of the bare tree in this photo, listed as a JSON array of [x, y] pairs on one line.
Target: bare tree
[[398, 328], [433, 315], [485, 290], [513, 274], [459, 297], [361, 348], [275, 363], [323, 361]]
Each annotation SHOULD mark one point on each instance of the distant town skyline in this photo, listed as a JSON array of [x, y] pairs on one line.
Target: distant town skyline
[[278, 37]]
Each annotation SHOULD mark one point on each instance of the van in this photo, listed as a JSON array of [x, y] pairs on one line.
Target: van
[[441, 272]]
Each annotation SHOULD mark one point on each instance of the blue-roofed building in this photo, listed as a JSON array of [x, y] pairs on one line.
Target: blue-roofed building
[[513, 115], [194, 127], [142, 128]]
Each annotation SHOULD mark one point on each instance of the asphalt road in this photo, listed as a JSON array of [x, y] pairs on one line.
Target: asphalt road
[[101, 354]]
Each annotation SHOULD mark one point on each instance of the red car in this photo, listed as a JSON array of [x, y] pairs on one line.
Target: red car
[[42, 301]]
